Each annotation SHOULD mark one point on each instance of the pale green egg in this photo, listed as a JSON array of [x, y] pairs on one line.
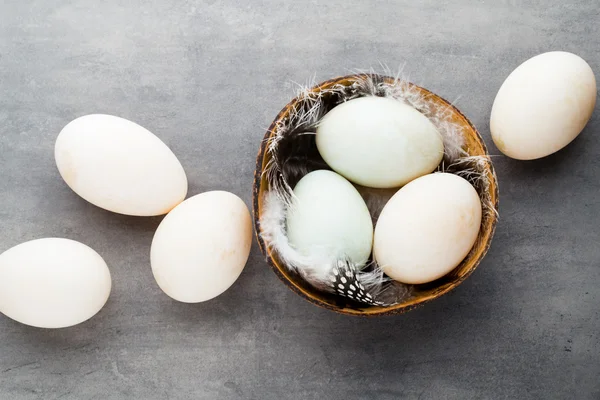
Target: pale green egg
[[379, 142], [329, 218]]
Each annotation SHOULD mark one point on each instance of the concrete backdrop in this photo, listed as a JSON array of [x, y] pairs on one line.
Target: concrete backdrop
[[207, 77]]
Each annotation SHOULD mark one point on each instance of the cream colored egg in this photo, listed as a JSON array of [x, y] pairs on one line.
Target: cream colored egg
[[427, 228], [543, 105], [328, 218], [52, 283], [120, 166], [201, 247], [379, 142]]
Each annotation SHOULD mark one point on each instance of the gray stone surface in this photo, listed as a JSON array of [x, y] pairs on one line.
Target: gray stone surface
[[208, 77]]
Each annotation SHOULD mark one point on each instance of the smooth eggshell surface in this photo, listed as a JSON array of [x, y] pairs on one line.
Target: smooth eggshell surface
[[329, 218], [201, 247], [379, 142], [52, 283], [543, 105], [427, 228], [120, 166]]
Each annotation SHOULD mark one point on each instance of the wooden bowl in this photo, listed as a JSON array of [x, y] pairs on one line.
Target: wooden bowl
[[421, 293]]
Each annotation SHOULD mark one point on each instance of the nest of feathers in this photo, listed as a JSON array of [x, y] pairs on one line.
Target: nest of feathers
[[293, 153]]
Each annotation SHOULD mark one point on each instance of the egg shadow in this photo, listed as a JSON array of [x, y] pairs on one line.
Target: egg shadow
[[564, 160], [222, 316], [391, 339], [53, 341], [229, 313], [376, 345], [76, 218], [136, 223]]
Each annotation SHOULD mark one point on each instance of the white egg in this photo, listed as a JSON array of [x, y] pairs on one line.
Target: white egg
[[329, 217], [201, 247], [52, 283], [543, 105], [427, 228], [120, 166], [379, 142]]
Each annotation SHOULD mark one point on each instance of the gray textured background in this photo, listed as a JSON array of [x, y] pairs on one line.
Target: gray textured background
[[207, 78]]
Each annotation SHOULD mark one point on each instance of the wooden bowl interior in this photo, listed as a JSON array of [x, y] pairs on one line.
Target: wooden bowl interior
[[421, 294]]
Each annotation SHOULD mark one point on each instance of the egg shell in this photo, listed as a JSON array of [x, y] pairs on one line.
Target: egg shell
[[329, 218], [52, 283], [543, 105], [427, 228], [120, 166], [379, 142], [201, 247]]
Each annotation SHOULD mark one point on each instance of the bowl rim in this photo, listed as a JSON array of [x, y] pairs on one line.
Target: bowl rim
[[257, 183]]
